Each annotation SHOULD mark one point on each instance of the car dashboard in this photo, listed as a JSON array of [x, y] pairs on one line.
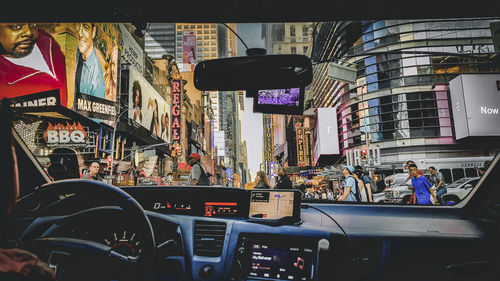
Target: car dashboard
[[209, 234]]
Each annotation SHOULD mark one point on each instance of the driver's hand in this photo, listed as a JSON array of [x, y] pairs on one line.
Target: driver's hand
[[24, 265]]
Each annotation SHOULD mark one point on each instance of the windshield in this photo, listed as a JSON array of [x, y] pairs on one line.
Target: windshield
[[396, 108], [459, 182]]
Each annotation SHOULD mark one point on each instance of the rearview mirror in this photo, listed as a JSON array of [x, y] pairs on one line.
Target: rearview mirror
[[253, 73], [468, 186]]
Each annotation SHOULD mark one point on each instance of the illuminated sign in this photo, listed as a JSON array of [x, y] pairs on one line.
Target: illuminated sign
[[268, 138], [68, 134], [301, 149], [475, 103], [176, 110]]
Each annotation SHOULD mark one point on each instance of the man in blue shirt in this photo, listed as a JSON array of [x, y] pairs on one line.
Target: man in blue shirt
[[89, 77], [422, 187], [349, 186]]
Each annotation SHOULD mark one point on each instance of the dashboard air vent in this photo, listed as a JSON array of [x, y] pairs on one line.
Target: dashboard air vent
[[209, 238]]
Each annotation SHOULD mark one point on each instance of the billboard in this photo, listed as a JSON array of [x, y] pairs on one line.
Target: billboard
[[189, 50], [79, 60], [131, 53], [475, 101], [327, 139], [220, 143], [147, 107]]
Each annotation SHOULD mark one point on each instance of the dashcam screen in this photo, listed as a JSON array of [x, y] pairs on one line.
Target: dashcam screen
[[286, 97]]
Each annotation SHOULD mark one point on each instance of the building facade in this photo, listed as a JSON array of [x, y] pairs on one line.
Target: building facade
[[400, 101], [160, 40]]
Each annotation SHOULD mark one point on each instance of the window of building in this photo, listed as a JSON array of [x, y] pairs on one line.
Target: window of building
[[206, 49], [212, 25], [186, 26], [305, 30], [206, 43], [292, 30], [213, 54], [192, 26], [292, 40], [205, 31], [305, 49], [179, 32], [206, 37], [198, 37], [198, 26], [198, 32], [213, 31], [213, 43], [293, 50], [213, 37], [179, 26]]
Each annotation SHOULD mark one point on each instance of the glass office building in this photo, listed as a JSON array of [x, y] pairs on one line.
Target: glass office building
[[400, 101]]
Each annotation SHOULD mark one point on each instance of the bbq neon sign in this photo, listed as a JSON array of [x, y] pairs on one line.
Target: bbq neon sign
[[176, 110]]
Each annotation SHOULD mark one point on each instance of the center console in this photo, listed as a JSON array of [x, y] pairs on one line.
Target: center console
[[277, 257]]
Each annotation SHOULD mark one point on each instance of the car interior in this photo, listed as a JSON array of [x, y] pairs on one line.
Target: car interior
[[86, 230]]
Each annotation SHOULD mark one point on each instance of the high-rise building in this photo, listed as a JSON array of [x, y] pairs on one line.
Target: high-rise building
[[272, 32], [400, 101], [206, 41], [160, 40], [296, 39]]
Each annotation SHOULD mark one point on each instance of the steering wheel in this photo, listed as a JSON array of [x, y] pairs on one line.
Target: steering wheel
[[143, 264]]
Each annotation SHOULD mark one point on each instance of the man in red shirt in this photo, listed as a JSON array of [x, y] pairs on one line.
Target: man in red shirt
[[31, 62]]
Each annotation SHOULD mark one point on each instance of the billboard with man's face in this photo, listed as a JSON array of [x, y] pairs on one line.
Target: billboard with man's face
[[147, 107], [79, 60]]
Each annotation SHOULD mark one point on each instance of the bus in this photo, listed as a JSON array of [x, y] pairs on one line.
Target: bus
[[454, 169]]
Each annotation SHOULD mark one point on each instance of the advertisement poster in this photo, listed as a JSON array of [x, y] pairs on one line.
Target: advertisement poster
[[189, 49], [80, 60], [150, 109]]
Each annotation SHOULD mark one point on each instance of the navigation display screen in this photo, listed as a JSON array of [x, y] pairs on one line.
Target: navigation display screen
[[272, 204], [277, 261]]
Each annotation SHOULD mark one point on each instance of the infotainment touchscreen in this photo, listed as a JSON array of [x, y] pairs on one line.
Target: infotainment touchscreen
[[274, 204], [277, 260]]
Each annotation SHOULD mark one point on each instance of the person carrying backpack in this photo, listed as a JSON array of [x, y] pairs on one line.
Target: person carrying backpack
[[351, 189], [366, 184], [198, 176]]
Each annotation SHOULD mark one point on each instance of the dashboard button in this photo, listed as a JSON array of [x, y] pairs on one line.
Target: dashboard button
[[206, 271]]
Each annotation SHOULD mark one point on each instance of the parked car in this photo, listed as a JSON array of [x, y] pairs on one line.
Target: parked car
[[397, 190], [457, 190]]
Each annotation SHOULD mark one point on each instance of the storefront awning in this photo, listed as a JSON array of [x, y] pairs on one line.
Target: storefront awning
[[143, 135], [56, 112]]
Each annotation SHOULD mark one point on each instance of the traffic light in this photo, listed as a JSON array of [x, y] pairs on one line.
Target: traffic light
[[110, 163], [363, 153]]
